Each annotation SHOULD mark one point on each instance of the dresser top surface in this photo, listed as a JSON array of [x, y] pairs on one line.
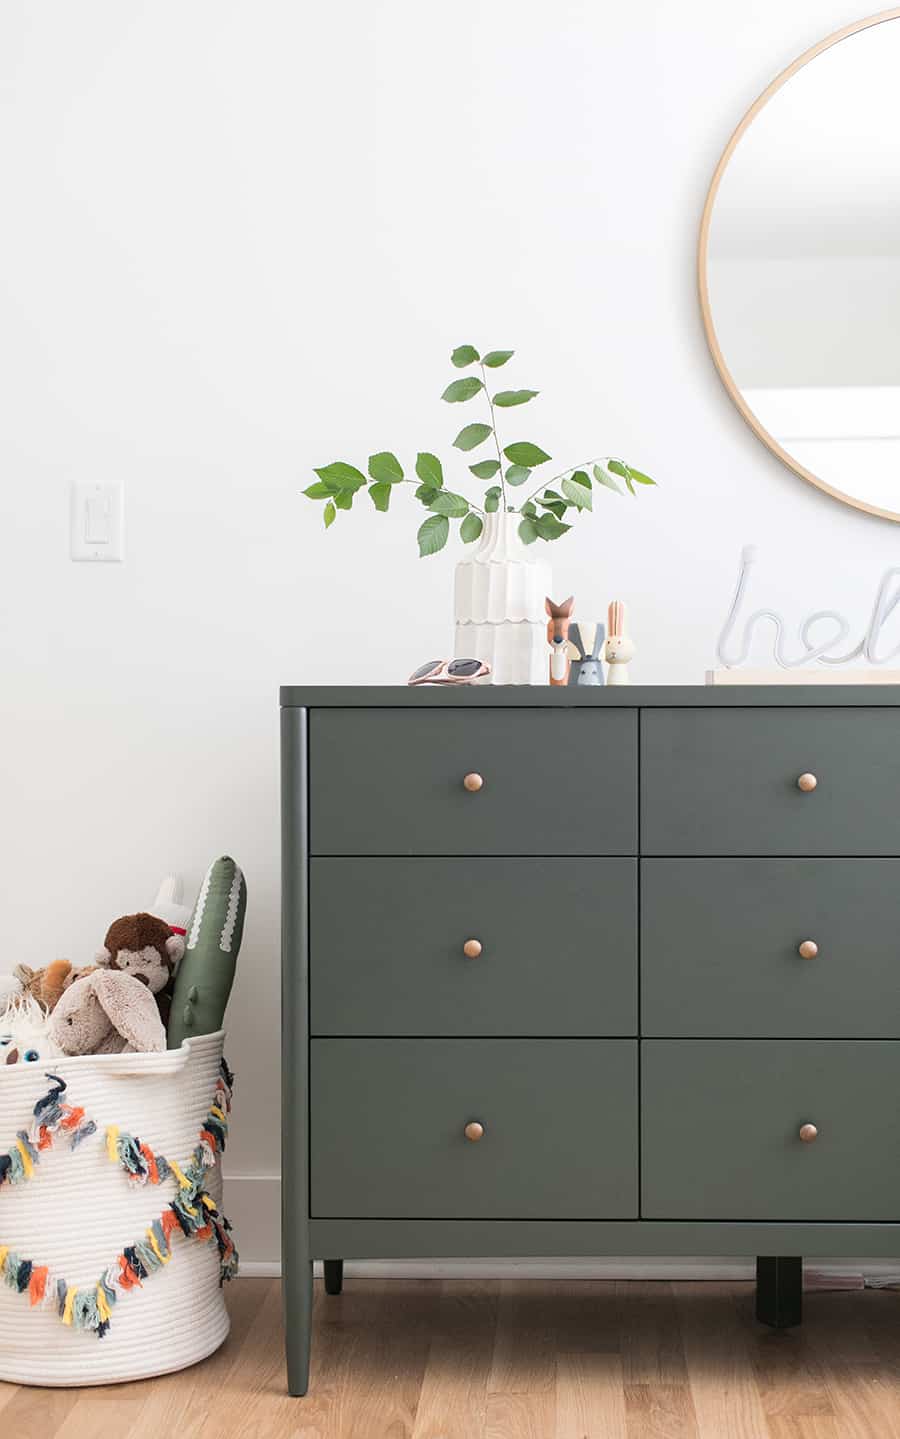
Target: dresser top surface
[[831, 696]]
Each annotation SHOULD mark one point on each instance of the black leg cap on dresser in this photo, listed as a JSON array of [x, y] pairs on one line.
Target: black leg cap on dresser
[[334, 1275], [779, 1290]]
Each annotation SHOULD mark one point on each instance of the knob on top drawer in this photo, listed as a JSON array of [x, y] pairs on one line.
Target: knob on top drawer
[[465, 780]]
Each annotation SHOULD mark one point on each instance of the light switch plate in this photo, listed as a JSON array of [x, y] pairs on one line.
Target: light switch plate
[[97, 523]]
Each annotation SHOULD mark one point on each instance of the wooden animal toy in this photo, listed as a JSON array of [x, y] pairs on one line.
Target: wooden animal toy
[[619, 648], [586, 669], [557, 637]]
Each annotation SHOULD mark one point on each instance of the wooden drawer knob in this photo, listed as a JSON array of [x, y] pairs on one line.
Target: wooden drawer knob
[[808, 949], [474, 1131], [472, 948], [807, 782], [808, 1133], [473, 783]]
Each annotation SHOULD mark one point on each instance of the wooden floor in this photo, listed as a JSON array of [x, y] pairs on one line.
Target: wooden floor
[[513, 1360]]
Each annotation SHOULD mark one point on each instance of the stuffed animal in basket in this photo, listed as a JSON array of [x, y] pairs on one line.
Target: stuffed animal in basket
[[107, 1012], [24, 1032], [146, 948], [47, 984], [206, 974]]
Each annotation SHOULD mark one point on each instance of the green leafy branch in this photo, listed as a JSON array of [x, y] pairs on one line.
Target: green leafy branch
[[543, 513]]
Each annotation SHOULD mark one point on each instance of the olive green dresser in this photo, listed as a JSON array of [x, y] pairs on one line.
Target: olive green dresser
[[589, 972]]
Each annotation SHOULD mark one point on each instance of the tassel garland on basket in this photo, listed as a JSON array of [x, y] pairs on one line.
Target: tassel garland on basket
[[50, 1118], [192, 1213]]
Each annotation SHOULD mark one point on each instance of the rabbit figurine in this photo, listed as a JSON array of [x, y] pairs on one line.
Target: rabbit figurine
[[586, 669], [619, 648]]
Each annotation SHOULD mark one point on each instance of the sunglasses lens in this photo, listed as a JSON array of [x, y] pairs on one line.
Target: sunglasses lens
[[464, 667], [425, 669]]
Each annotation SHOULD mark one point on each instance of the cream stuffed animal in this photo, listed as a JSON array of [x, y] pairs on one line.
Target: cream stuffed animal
[[25, 1032], [107, 1012]]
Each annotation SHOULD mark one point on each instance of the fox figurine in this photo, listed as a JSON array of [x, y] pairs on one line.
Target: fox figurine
[[557, 637]]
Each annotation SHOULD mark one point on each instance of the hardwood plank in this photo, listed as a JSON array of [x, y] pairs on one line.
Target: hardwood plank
[[524, 1356], [652, 1347], [38, 1413], [453, 1402], [587, 1315], [788, 1375], [590, 1397], [660, 1411], [720, 1370]]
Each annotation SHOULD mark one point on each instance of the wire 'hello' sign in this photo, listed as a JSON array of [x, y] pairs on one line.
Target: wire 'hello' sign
[[821, 651]]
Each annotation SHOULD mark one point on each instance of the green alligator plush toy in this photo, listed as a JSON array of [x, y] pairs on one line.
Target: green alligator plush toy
[[206, 973]]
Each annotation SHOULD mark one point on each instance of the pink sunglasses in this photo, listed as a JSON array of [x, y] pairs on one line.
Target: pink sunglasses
[[449, 672]]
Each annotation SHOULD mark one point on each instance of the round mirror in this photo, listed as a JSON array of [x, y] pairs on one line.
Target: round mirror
[[800, 266]]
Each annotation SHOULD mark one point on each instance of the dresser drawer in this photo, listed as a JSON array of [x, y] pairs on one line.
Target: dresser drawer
[[721, 947], [725, 781], [721, 1123], [388, 1119], [391, 781], [557, 938]]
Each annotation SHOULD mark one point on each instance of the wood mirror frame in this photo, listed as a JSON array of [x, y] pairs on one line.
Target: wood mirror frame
[[725, 375]]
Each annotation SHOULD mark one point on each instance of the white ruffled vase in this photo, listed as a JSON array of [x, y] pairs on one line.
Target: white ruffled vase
[[499, 598]]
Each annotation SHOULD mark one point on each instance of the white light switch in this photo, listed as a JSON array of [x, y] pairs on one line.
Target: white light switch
[[97, 522]]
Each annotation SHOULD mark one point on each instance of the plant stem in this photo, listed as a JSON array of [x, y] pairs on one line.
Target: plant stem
[[496, 439], [418, 482], [545, 484]]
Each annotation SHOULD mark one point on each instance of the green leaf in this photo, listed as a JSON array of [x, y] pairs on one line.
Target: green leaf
[[577, 488], [386, 468], [550, 528], [492, 500], [470, 436], [426, 494], [346, 477], [619, 467], [464, 355], [603, 478], [557, 507], [458, 390], [329, 514], [528, 532], [344, 499], [428, 468], [507, 398], [432, 535], [318, 491], [529, 509], [381, 494], [524, 453], [470, 528], [517, 474], [641, 478], [446, 502], [485, 469], [495, 358]]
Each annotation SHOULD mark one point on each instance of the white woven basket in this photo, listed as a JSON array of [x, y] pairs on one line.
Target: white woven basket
[[79, 1210]]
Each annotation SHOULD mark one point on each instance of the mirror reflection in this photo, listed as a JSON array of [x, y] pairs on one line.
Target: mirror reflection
[[800, 263]]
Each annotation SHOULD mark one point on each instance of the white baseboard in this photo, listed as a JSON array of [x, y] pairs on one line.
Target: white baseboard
[[253, 1204]]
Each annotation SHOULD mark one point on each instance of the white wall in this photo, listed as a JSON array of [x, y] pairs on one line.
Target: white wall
[[238, 240]]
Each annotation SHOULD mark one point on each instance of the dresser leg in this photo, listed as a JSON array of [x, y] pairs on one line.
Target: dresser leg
[[298, 1295], [779, 1290], [334, 1275]]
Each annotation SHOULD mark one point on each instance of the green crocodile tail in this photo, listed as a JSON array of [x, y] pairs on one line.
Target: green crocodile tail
[[213, 939]]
